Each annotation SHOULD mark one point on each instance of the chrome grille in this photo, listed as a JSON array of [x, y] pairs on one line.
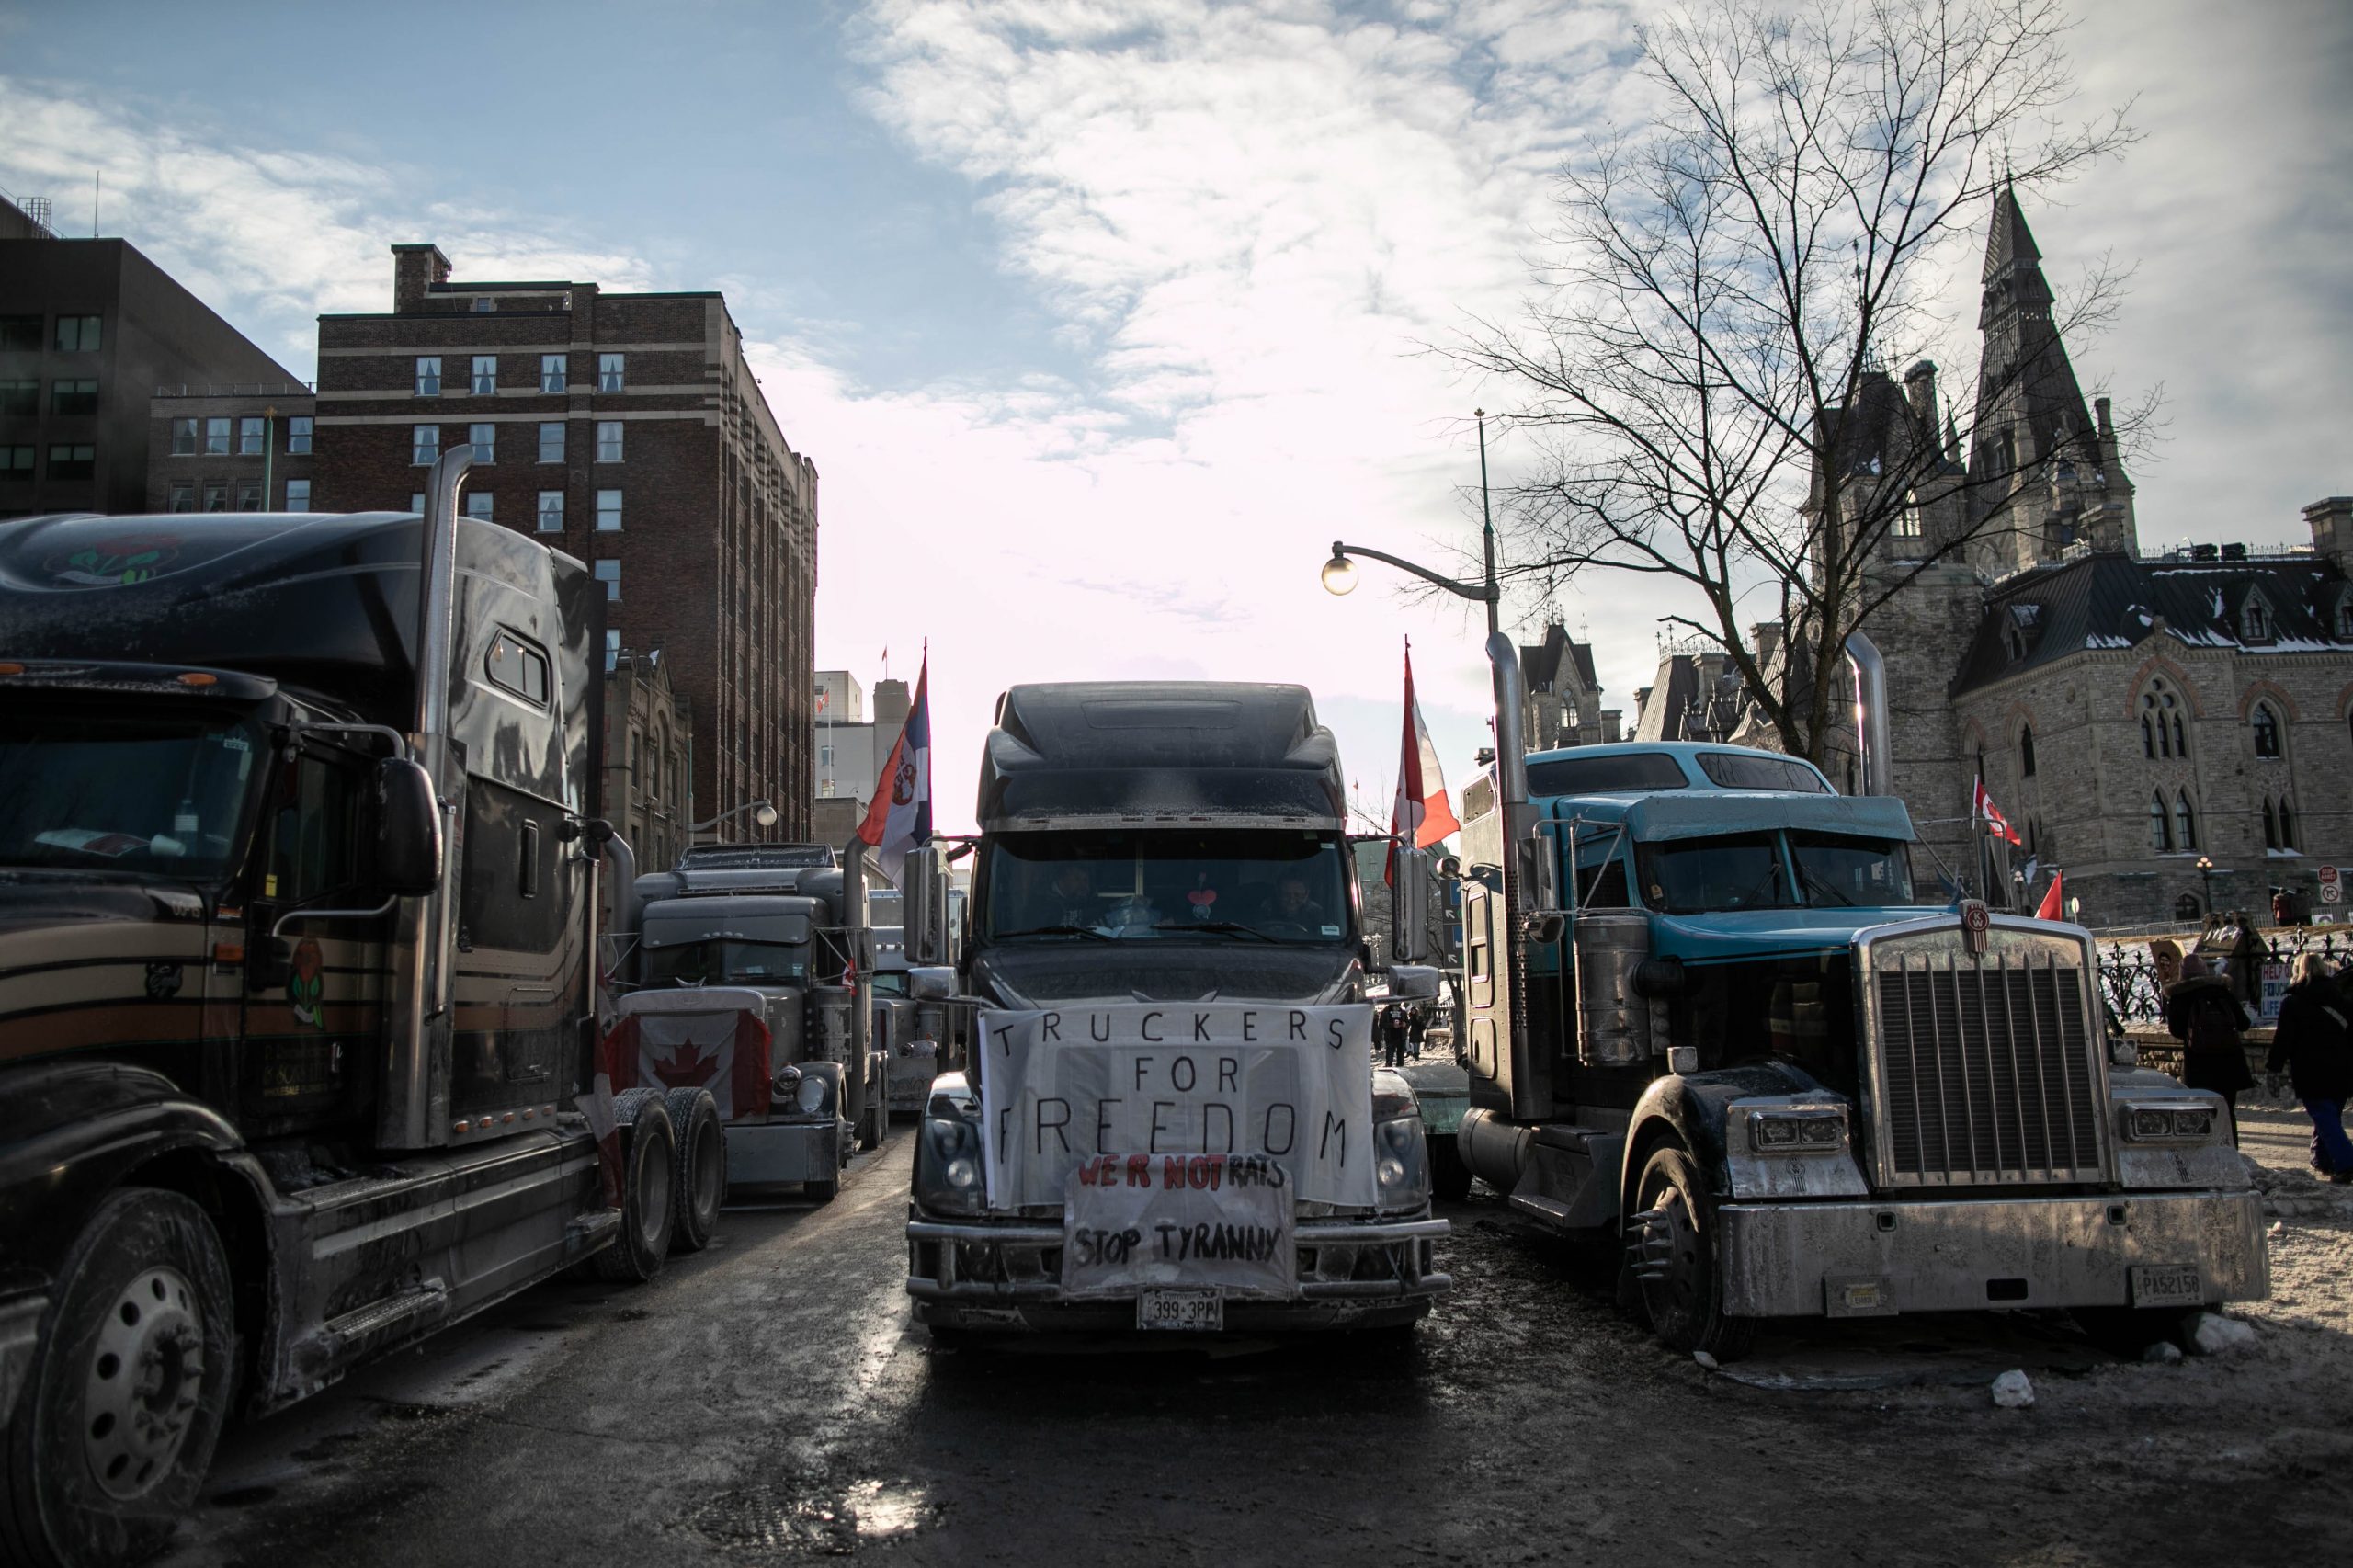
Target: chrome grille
[[1987, 1070]]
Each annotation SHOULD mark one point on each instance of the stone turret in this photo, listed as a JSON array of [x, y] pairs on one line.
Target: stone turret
[[2332, 525]]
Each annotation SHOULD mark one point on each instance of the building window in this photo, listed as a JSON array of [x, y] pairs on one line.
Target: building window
[[825, 756], [551, 441], [2344, 617], [2266, 725], [216, 496], [609, 372], [612, 649], [608, 440], [2026, 752], [183, 496], [183, 438], [1907, 520], [2253, 625], [609, 574], [73, 462], [249, 495], [486, 374], [16, 463], [424, 445], [298, 434], [2160, 827], [2287, 823], [551, 511], [485, 440], [249, 436], [2184, 823], [216, 438], [428, 375], [74, 397], [2270, 826], [20, 333], [20, 397], [2161, 730], [484, 304], [636, 755], [78, 334], [478, 504], [416, 501], [551, 372], [298, 495], [608, 511]]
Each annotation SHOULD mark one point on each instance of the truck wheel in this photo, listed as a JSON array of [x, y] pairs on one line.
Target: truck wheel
[[701, 1181], [824, 1191], [1449, 1178], [114, 1430], [649, 1172], [1673, 1244], [2127, 1332]]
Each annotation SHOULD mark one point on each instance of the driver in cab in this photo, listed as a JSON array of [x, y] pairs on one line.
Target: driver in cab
[[1291, 904]]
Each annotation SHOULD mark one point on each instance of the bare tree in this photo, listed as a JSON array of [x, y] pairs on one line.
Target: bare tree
[[1730, 280]]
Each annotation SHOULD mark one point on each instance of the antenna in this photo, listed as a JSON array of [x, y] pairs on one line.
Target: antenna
[[95, 177]]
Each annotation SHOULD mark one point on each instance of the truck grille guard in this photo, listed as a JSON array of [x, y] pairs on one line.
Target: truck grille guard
[[1984, 1068]]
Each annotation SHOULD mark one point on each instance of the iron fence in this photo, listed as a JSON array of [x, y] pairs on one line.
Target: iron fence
[[2128, 975]]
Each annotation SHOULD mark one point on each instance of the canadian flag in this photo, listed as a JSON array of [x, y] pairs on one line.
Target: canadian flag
[[2053, 904], [1981, 806], [708, 1038], [1421, 816]]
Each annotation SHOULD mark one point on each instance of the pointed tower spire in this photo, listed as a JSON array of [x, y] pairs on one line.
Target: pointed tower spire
[[2010, 243]]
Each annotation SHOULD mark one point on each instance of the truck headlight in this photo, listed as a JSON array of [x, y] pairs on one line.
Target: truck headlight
[[2174, 1122], [1822, 1132], [948, 1167], [1401, 1163], [811, 1096]]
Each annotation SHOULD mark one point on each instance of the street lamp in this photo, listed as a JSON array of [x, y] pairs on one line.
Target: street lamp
[[762, 812], [1340, 572], [2206, 873]]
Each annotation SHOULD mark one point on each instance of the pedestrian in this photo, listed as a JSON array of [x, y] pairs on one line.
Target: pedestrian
[[2202, 1013], [2315, 1045], [1392, 1034]]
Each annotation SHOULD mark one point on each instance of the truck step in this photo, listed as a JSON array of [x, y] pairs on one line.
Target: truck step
[[431, 1299]]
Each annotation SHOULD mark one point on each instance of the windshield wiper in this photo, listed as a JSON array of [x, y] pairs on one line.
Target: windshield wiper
[[1087, 931], [1815, 884], [1224, 927]]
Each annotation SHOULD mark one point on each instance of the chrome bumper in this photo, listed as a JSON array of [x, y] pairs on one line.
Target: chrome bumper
[[782, 1151], [1008, 1275], [19, 1328], [1868, 1259]]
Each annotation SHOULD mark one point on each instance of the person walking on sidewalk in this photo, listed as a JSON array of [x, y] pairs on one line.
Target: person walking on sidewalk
[[2202, 1013], [2315, 1045]]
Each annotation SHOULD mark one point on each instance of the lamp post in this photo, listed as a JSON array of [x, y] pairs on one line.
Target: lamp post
[[762, 812], [2206, 874], [1340, 572]]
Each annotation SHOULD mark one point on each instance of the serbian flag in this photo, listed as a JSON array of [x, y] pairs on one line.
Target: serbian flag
[[1981, 806], [1421, 815], [899, 817], [2052, 906]]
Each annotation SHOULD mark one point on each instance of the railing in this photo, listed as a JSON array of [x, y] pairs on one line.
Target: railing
[[240, 389], [2128, 975]]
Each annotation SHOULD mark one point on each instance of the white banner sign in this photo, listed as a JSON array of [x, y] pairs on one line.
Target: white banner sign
[[1131, 1221], [1059, 1085]]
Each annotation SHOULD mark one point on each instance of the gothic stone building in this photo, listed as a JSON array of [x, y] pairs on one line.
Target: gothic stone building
[[2156, 726]]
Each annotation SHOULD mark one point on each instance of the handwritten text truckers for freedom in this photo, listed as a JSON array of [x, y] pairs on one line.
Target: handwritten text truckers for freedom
[[1290, 1082]]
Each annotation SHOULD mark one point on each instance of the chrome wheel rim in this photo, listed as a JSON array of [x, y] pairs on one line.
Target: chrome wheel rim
[[708, 1175], [143, 1384]]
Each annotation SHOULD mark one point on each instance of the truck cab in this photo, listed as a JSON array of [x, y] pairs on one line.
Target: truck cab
[[1163, 915], [1730, 1025]]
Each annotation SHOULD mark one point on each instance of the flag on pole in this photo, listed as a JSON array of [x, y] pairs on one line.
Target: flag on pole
[[1981, 806], [899, 817], [1421, 816], [2052, 906]]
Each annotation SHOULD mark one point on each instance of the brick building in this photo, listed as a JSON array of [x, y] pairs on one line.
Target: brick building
[[649, 758], [2159, 727], [89, 330], [627, 430], [230, 449]]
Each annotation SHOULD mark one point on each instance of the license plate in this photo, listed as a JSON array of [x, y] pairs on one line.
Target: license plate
[[1185, 1309], [2166, 1284]]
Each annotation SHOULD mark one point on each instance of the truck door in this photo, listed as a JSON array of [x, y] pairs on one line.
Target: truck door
[[315, 994]]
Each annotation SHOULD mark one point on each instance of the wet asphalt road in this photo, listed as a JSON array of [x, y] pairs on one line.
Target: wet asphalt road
[[770, 1401]]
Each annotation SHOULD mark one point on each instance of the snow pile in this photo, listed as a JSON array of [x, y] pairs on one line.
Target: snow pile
[[2014, 1391]]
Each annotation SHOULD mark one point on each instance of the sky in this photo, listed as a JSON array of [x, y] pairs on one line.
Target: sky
[[1102, 321]]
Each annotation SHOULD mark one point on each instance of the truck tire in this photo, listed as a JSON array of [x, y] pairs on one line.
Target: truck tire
[[1673, 1239], [649, 1173], [2127, 1332], [824, 1191], [1449, 1178], [114, 1429], [700, 1186], [874, 1116]]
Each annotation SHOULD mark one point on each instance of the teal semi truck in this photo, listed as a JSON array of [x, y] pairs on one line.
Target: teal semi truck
[[1712, 1014]]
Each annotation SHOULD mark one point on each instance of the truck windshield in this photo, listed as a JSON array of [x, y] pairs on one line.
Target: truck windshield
[[1235, 885], [157, 793], [722, 961], [1690, 876], [1865, 872]]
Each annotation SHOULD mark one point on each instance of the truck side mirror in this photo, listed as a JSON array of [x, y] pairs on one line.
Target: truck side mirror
[[931, 983], [1411, 937], [408, 829], [1412, 983]]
